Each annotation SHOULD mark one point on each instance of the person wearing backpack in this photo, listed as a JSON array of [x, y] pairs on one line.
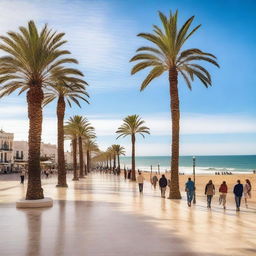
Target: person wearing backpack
[[190, 189], [223, 194], [163, 185], [209, 192]]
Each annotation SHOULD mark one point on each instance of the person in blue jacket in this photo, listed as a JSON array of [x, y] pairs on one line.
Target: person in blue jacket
[[238, 192], [190, 189]]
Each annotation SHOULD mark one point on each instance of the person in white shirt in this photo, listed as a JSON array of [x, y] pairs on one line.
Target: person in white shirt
[[140, 180]]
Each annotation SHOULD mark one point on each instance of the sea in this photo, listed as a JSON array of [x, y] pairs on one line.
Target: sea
[[203, 164]]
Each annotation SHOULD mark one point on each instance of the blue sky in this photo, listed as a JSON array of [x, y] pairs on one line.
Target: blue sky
[[102, 36]]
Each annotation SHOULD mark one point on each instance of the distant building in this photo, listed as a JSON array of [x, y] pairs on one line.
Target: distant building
[[6, 151], [20, 151]]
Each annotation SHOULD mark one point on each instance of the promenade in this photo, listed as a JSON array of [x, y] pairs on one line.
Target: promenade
[[103, 215]]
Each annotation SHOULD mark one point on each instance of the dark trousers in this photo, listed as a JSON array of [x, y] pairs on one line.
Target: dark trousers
[[238, 201], [209, 200], [22, 179], [141, 187]]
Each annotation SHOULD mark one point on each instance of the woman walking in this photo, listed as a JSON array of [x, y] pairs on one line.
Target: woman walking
[[247, 191], [140, 180], [209, 192], [223, 194]]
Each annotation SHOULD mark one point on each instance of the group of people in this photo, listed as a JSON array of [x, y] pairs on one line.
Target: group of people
[[239, 190]]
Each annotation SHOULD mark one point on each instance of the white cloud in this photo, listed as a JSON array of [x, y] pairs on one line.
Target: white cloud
[[160, 124]]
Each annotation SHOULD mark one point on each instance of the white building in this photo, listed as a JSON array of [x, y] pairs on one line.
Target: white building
[[6, 150], [20, 151]]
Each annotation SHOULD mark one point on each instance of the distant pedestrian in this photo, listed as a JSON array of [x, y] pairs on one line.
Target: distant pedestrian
[[209, 192], [125, 174], [223, 194], [163, 185], [22, 176], [47, 173], [247, 191], [154, 181], [129, 174], [190, 189], [238, 192], [140, 180]]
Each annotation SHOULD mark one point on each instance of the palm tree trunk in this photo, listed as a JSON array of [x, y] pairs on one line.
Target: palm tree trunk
[[118, 162], [110, 163], [88, 161], [74, 143], [81, 160], [114, 167], [34, 98], [175, 113], [62, 179], [133, 158]]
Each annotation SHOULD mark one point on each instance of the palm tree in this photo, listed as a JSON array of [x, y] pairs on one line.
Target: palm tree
[[132, 125], [167, 55], [74, 92], [118, 151], [73, 131], [86, 132], [34, 59], [90, 146]]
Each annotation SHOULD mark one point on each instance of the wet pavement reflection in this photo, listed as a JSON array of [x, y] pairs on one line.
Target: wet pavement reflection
[[104, 215]]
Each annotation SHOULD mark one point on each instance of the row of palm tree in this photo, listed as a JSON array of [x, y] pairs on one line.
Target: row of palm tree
[[82, 135], [35, 63]]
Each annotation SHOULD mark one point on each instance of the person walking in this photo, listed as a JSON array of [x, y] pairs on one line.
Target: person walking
[[125, 174], [209, 192], [190, 190], [140, 180], [223, 194], [22, 175], [154, 181], [163, 185], [238, 192], [247, 191]]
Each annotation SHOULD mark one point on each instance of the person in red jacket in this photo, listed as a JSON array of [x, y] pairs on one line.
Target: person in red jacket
[[223, 194]]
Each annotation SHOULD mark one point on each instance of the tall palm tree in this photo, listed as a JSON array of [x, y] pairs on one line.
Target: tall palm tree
[[73, 92], [34, 59], [90, 146], [118, 151], [86, 132], [131, 126], [72, 130], [166, 54]]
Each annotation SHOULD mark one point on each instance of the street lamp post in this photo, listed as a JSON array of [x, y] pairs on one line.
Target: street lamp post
[[194, 178], [158, 167], [151, 169]]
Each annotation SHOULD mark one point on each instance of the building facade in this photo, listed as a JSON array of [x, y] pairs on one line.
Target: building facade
[[6, 151]]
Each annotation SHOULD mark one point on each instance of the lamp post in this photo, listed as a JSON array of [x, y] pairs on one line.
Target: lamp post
[[158, 167], [151, 169], [194, 178]]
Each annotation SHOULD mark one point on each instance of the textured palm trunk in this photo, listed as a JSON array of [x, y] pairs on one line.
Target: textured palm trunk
[[110, 163], [175, 113], [34, 98], [74, 143], [62, 179], [133, 158], [114, 165], [88, 161], [118, 163], [81, 160]]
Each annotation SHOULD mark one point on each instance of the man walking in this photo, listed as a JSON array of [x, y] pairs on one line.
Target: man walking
[[238, 192], [140, 180], [209, 192], [22, 176], [163, 185], [190, 189], [154, 181]]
